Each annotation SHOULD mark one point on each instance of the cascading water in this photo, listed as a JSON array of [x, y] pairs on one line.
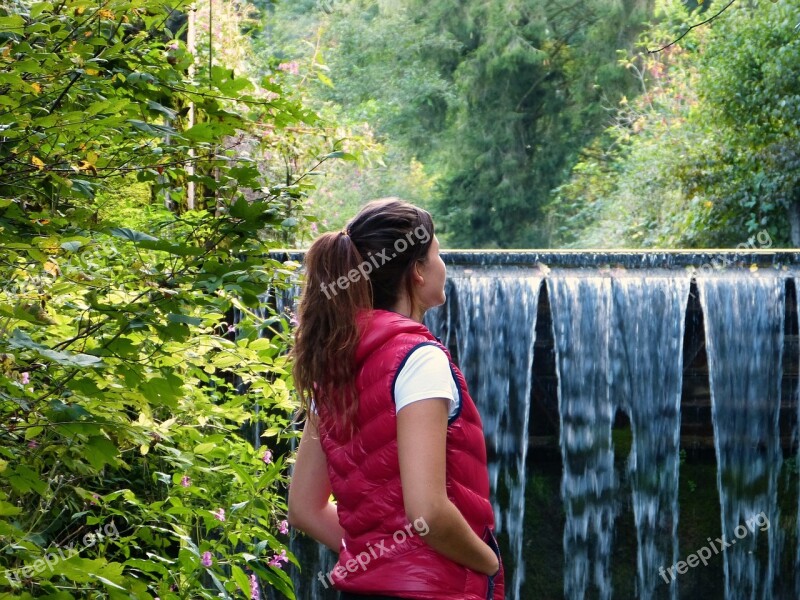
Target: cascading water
[[744, 324], [797, 458], [581, 306], [494, 334], [647, 368]]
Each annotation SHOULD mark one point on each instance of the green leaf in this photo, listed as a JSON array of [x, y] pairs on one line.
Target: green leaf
[[83, 188], [108, 582], [202, 132], [325, 79], [340, 154], [20, 339], [167, 112], [241, 579], [100, 452], [147, 566], [71, 246], [8, 510], [12, 24], [205, 448], [164, 390], [130, 234], [32, 432], [82, 570], [38, 255], [177, 249], [178, 318]]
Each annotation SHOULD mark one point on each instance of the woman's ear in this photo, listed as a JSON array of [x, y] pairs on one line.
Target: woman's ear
[[417, 275]]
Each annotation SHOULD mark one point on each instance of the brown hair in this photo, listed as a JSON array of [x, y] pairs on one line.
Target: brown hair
[[363, 267]]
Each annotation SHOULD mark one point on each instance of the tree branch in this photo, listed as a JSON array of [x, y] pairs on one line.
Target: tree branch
[[683, 35]]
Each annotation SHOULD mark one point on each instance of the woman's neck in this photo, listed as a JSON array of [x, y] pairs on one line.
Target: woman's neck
[[405, 307]]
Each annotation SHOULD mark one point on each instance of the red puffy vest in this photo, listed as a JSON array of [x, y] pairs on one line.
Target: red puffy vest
[[382, 553]]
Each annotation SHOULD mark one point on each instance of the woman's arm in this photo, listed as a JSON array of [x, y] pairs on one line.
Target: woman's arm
[[310, 508], [421, 441]]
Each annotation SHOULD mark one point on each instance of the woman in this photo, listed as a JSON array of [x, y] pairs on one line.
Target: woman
[[391, 430]]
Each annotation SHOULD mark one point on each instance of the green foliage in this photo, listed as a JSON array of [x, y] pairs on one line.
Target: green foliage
[[707, 156], [117, 385], [493, 98], [532, 84], [335, 54], [128, 401], [344, 190]]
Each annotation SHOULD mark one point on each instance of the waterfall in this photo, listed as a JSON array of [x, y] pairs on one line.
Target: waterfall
[[494, 333], [647, 368], [581, 306], [744, 324], [796, 581]]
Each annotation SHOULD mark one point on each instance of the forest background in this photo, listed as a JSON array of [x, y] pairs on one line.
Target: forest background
[[153, 153]]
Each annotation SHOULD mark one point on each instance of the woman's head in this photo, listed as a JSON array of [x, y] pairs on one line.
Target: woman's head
[[391, 236], [386, 257]]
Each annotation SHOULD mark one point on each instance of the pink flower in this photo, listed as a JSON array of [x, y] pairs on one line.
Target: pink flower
[[206, 560], [219, 515], [277, 559], [33, 444], [186, 481], [254, 593], [289, 67], [267, 458], [283, 527], [25, 378], [314, 228]]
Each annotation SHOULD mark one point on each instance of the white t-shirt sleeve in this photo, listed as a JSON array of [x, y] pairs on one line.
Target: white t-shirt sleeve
[[426, 374]]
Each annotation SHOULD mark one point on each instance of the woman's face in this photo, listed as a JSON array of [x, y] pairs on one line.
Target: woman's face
[[429, 291]]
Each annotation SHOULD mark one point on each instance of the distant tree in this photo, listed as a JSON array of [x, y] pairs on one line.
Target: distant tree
[[494, 99], [708, 155]]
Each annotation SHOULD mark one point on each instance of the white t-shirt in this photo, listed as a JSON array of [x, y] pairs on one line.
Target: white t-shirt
[[426, 374]]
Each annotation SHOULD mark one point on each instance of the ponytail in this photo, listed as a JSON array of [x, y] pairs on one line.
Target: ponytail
[[366, 266], [335, 291]]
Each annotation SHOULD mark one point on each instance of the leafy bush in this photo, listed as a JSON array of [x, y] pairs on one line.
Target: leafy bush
[[144, 439]]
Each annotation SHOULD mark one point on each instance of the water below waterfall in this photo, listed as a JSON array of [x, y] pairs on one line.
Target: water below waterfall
[[598, 493]]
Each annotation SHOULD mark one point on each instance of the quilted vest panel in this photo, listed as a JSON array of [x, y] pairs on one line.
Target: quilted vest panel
[[382, 553]]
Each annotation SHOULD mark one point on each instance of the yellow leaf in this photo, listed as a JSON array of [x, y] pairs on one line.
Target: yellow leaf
[[753, 268], [36, 88], [106, 14], [92, 71], [144, 448], [37, 162], [85, 165], [52, 268]]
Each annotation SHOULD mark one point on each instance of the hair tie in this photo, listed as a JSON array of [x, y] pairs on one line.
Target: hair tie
[[345, 232]]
